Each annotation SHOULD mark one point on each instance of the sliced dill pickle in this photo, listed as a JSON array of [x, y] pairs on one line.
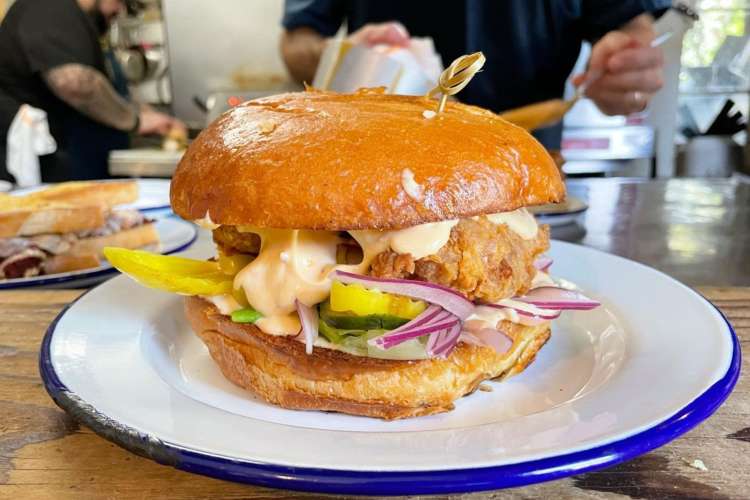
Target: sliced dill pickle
[[363, 301], [350, 321]]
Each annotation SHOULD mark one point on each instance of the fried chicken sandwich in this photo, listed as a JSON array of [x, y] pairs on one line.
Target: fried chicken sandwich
[[373, 257], [64, 227]]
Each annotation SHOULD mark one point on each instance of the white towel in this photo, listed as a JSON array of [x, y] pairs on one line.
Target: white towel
[[28, 138]]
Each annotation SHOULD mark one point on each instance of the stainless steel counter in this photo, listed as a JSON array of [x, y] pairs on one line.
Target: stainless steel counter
[[696, 230]]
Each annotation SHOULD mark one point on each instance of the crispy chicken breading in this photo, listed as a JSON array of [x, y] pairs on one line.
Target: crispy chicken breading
[[230, 240], [482, 260]]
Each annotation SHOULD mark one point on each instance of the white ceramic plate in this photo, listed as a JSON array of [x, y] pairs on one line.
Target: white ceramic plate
[[175, 235], [611, 384], [560, 214], [153, 194]]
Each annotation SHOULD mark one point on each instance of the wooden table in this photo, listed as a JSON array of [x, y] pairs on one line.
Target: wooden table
[[45, 454]]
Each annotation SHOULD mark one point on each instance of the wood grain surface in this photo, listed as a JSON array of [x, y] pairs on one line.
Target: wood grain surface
[[44, 454]]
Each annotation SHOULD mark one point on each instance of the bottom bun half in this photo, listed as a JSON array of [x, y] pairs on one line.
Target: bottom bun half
[[278, 370]]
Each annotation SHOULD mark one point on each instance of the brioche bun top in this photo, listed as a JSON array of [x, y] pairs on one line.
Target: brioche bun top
[[328, 161]]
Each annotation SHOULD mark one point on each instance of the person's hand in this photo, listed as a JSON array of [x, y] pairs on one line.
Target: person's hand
[[155, 123], [624, 72], [390, 33], [178, 129]]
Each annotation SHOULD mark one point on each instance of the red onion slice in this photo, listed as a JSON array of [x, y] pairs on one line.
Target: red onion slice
[[543, 264], [430, 347], [531, 320], [308, 316], [431, 321], [488, 337], [390, 340], [444, 343], [546, 317], [431, 314], [541, 313], [550, 297], [446, 298]]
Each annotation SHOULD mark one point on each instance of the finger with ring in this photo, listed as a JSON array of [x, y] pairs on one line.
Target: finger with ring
[[639, 100]]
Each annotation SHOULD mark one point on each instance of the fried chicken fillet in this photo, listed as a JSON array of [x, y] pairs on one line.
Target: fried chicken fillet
[[484, 261]]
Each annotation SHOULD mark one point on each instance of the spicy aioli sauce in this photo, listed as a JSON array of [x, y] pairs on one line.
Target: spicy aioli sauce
[[292, 265], [520, 221], [296, 264], [419, 241]]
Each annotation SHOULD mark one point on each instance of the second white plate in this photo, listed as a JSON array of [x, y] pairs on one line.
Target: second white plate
[[175, 235]]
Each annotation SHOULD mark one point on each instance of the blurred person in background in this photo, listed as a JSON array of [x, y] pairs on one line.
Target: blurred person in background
[[51, 58], [531, 46]]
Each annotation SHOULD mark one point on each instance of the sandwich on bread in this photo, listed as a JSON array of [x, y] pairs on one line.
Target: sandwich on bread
[[65, 227], [373, 258]]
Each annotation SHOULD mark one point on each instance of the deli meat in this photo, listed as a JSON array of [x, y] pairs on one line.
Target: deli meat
[[25, 257], [24, 264]]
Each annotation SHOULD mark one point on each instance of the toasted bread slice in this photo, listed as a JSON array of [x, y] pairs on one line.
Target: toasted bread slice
[[49, 217], [66, 262], [87, 252], [136, 237], [108, 194], [64, 208]]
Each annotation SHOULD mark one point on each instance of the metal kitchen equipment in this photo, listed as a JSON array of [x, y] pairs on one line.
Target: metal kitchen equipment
[[143, 162], [222, 46], [138, 44]]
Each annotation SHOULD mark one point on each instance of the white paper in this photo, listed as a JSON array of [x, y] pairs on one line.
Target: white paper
[[412, 70]]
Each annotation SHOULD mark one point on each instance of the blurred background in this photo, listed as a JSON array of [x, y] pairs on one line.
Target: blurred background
[[195, 59]]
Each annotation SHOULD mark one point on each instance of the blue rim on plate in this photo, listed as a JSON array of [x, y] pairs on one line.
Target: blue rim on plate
[[155, 209], [86, 275], [389, 483]]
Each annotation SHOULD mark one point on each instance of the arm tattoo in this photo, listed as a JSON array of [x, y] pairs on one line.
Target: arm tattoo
[[89, 92]]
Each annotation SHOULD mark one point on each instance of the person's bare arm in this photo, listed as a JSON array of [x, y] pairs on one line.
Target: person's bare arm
[[89, 92], [301, 49]]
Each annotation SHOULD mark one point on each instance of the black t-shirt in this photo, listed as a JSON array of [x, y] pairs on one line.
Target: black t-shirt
[[36, 36], [531, 45]]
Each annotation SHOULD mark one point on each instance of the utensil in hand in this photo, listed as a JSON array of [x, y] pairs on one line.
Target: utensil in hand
[[546, 113]]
